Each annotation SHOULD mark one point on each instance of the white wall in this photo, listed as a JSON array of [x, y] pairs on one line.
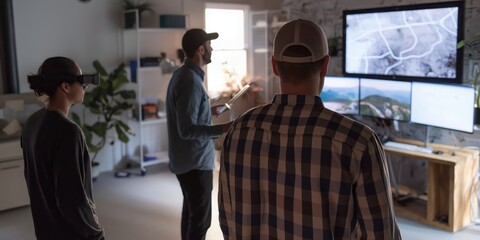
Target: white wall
[[83, 32], [89, 31]]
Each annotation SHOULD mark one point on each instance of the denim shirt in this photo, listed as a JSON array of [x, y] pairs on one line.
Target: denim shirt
[[190, 132]]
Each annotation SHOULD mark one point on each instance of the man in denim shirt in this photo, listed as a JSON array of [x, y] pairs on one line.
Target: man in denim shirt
[[191, 134]]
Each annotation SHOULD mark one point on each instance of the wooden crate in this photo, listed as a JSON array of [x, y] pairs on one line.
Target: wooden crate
[[451, 201]]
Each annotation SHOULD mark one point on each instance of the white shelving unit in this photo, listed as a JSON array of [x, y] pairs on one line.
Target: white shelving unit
[[265, 24], [149, 146]]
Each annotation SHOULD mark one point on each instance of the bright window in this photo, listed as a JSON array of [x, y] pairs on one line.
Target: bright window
[[229, 58]]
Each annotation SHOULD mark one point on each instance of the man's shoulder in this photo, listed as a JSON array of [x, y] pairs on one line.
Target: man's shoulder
[[255, 113], [185, 76], [327, 123], [183, 72], [354, 124], [350, 131]]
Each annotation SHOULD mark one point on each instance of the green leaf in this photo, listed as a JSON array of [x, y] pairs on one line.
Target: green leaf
[[142, 6], [87, 99], [120, 70], [124, 126], [121, 134], [127, 94], [93, 148], [88, 139], [99, 68], [100, 129], [104, 85], [128, 4], [104, 101], [123, 106], [95, 110], [145, 6], [88, 136], [461, 44], [118, 82], [76, 119]]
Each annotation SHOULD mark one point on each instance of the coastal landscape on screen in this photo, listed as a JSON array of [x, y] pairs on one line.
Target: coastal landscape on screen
[[340, 94], [385, 99]]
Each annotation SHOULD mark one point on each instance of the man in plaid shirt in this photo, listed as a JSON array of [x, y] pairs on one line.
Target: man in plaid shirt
[[293, 169]]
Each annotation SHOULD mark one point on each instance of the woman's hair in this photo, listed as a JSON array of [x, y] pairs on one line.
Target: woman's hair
[[47, 80]]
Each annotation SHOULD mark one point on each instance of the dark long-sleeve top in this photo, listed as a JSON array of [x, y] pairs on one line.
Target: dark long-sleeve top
[[190, 132], [58, 176]]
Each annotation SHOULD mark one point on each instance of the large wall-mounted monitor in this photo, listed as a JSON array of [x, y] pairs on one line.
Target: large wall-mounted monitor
[[408, 43], [341, 94], [443, 105], [385, 99]]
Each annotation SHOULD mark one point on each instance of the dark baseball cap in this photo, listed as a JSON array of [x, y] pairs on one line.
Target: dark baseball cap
[[195, 37]]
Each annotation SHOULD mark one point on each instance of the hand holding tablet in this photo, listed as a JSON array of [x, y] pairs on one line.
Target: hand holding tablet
[[228, 105]]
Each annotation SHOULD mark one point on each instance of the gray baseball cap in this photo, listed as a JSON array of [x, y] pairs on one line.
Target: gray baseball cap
[[300, 33]]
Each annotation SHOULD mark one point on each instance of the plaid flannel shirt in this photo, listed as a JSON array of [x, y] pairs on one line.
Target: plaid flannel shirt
[[293, 169]]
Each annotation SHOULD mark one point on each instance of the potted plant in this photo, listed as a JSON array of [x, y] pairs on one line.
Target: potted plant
[[334, 46], [107, 101], [472, 45], [476, 112], [130, 16]]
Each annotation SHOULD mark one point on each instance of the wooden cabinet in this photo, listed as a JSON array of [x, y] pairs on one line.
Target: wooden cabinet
[[13, 188], [451, 201]]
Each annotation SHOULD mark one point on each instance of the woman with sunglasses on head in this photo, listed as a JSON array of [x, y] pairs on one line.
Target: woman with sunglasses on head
[[57, 163]]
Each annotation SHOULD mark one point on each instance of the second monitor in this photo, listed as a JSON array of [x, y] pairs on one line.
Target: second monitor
[[341, 94], [444, 106], [385, 99]]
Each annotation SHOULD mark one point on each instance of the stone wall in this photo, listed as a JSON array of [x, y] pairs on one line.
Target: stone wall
[[328, 14]]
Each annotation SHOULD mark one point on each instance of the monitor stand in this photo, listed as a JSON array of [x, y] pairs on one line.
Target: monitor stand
[[427, 138]]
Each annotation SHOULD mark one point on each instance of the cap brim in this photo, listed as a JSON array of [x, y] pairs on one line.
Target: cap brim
[[211, 36]]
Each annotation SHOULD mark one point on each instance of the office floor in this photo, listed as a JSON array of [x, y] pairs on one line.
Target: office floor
[[149, 208]]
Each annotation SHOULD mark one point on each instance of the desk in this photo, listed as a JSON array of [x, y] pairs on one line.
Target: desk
[[452, 186]]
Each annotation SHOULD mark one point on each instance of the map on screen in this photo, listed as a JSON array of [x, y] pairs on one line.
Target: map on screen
[[411, 43]]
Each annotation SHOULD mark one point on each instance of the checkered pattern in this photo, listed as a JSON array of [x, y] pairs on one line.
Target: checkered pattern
[[296, 170]]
